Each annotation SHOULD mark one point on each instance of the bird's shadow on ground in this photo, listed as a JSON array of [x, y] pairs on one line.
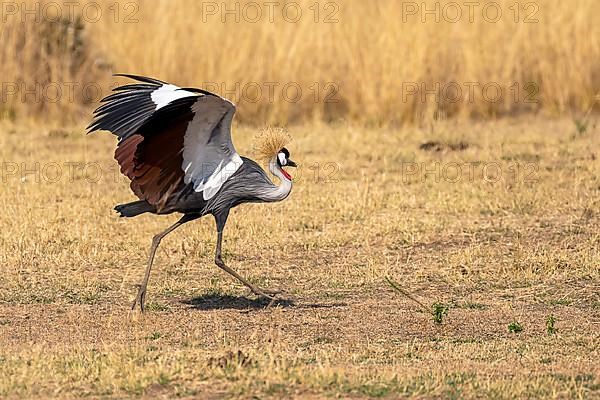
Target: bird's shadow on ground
[[227, 302]]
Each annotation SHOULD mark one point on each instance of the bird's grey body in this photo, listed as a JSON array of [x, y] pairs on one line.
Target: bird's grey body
[[175, 146], [249, 184]]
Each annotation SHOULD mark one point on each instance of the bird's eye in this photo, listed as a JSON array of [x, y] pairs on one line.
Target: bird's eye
[[282, 159]]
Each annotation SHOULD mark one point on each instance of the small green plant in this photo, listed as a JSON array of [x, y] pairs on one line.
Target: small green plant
[[581, 126], [550, 325], [515, 327], [163, 379], [439, 312]]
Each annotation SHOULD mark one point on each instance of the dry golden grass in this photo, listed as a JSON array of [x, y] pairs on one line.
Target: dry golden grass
[[514, 249], [362, 68], [367, 204]]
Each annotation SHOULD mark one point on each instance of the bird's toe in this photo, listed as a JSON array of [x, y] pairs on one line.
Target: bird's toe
[[270, 294]]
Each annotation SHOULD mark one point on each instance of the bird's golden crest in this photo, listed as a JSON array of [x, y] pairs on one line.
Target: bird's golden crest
[[269, 141]]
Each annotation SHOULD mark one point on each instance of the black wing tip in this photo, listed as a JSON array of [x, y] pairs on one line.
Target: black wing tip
[[158, 82], [93, 127], [196, 90], [140, 78], [204, 92]]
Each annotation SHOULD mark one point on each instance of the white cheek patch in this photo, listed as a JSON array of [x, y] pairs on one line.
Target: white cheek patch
[[282, 159]]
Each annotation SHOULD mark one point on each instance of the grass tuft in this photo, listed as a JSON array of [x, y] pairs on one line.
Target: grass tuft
[[515, 327], [551, 325], [439, 312]]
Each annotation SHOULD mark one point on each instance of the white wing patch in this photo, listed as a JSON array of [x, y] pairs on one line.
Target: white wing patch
[[207, 164], [219, 177], [166, 94]]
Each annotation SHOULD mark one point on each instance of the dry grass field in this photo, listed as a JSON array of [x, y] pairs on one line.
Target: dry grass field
[[455, 157], [375, 63], [511, 241]]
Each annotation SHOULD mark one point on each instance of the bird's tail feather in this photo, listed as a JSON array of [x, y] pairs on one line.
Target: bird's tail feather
[[133, 209]]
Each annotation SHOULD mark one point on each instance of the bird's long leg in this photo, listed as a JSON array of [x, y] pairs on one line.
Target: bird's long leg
[[219, 261], [141, 296]]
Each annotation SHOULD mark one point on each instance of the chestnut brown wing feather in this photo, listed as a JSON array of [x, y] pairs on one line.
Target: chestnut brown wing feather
[[153, 163]]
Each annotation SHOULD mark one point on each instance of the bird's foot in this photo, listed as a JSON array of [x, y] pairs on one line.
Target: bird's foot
[[141, 299], [267, 293]]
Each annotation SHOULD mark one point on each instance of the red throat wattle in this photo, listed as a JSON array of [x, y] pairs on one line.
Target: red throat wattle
[[288, 176]]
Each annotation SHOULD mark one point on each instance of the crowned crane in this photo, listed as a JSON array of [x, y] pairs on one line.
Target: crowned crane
[[174, 144]]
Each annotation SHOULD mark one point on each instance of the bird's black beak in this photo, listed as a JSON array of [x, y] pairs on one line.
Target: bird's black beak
[[290, 163]]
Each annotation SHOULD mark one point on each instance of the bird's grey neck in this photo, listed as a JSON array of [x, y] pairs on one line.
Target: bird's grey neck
[[278, 193]]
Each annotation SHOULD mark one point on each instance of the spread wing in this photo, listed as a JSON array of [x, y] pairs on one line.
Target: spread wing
[[169, 138]]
